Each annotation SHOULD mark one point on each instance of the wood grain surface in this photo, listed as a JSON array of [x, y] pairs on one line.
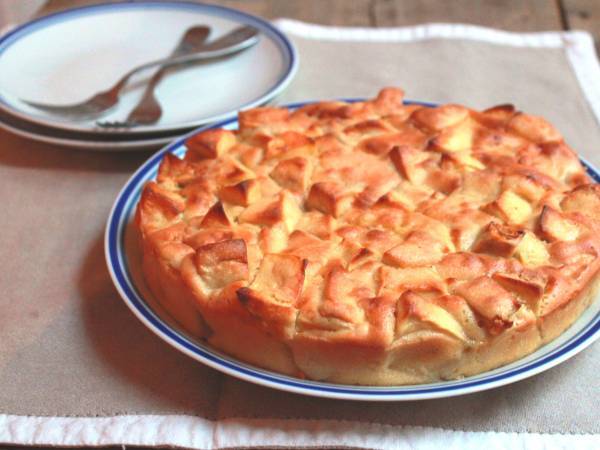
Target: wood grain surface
[[512, 15], [583, 15], [518, 15]]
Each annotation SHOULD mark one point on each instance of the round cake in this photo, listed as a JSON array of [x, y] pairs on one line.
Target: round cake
[[376, 242]]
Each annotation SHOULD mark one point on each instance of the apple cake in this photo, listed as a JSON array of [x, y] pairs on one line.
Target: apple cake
[[374, 243]]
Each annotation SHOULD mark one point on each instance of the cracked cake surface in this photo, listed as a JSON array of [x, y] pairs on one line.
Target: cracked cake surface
[[377, 242]]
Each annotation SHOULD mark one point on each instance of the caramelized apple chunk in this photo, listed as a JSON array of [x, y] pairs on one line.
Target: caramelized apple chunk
[[511, 208], [243, 193], [211, 143], [293, 174], [584, 199], [328, 198], [499, 240], [555, 227], [488, 298], [268, 212], [411, 304], [222, 263]]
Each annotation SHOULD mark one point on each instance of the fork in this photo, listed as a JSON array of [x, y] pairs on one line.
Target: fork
[[148, 109], [106, 100]]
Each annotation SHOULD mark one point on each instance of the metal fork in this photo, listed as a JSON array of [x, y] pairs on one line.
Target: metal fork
[[105, 100], [102, 102], [148, 109]]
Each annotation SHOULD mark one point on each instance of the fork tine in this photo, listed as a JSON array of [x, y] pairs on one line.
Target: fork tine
[[82, 110], [107, 124]]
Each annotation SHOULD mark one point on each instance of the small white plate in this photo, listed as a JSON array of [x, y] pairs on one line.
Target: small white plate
[[124, 266], [67, 57], [77, 141]]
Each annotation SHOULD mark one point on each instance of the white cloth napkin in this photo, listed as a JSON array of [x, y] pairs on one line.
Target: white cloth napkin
[[198, 433]]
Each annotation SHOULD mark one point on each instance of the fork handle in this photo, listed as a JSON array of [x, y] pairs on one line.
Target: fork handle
[[148, 110], [158, 75], [221, 47], [199, 56]]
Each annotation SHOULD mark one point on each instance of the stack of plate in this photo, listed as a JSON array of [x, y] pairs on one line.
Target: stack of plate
[[67, 57]]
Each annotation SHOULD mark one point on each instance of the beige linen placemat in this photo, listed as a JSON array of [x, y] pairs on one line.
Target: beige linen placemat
[[76, 366]]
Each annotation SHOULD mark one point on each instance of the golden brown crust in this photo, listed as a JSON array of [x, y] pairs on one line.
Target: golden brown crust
[[374, 242]]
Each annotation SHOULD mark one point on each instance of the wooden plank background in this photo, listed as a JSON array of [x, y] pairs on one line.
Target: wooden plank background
[[511, 15]]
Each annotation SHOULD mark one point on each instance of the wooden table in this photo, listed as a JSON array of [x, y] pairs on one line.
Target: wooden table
[[512, 15]]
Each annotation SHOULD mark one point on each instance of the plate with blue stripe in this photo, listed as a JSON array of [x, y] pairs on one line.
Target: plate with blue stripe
[[123, 261], [41, 62]]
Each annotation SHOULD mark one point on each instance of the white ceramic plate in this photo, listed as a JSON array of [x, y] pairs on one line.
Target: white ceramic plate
[[76, 141], [123, 263], [66, 57]]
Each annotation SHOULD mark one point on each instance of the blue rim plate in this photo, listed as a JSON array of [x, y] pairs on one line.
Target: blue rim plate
[[580, 335], [273, 61]]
